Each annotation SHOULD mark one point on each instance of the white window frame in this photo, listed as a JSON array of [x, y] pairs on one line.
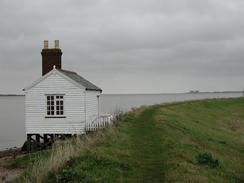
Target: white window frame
[[55, 115]]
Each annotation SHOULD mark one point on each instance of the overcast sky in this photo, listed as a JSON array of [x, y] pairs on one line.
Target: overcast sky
[[127, 46]]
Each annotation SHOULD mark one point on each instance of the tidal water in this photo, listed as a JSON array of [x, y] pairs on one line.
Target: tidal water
[[124, 102], [12, 117], [12, 121]]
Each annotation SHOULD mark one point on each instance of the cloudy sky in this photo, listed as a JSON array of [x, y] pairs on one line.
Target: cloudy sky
[[127, 46]]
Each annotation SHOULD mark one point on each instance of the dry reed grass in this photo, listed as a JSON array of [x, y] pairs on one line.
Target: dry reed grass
[[60, 154]]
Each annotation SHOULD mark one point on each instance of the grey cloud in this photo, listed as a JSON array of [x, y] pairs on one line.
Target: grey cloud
[[187, 44]]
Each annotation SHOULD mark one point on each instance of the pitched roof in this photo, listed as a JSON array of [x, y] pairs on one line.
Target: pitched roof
[[82, 81]]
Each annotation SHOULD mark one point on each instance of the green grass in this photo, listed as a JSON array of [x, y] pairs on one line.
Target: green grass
[[198, 141]]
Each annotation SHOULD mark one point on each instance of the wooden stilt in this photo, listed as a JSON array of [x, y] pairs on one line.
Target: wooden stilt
[[38, 138], [29, 142], [52, 137], [45, 138], [43, 141]]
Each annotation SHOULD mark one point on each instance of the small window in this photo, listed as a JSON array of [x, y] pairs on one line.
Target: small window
[[55, 105]]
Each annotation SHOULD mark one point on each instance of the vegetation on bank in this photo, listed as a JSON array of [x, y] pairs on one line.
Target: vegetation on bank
[[197, 141]]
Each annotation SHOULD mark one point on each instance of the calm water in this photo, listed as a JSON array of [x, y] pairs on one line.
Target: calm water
[[114, 102], [12, 121], [12, 128]]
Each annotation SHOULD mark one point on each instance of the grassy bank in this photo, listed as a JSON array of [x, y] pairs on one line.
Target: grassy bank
[[198, 141]]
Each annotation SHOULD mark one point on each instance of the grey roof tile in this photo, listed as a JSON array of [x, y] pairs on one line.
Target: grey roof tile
[[82, 81]]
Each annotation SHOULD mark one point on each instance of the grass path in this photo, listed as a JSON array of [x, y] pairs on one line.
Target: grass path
[[130, 153], [146, 147]]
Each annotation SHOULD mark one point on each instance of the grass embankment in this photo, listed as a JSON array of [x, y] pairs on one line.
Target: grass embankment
[[198, 141]]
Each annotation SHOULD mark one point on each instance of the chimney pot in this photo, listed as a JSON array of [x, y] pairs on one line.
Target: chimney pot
[[56, 44], [51, 57], [45, 44]]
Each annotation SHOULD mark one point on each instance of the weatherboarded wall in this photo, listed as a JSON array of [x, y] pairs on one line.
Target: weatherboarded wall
[[74, 108], [92, 105]]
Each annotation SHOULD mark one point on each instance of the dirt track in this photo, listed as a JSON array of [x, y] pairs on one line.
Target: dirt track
[[7, 175]]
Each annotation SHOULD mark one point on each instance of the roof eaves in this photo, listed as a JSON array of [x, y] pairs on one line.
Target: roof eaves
[[94, 89]]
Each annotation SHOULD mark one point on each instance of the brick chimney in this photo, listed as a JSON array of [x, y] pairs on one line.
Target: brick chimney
[[51, 57]]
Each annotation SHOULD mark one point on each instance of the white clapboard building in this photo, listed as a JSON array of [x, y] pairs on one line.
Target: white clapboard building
[[61, 102]]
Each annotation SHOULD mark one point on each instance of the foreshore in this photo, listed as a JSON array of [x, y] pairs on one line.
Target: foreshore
[[8, 174], [10, 152]]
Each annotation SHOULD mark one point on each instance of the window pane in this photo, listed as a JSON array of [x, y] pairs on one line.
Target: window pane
[[55, 105]]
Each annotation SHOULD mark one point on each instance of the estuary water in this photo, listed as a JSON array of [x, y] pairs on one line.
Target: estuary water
[[12, 121], [124, 102], [12, 117]]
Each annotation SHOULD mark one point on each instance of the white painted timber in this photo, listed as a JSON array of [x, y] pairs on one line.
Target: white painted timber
[[92, 105], [74, 107], [101, 122]]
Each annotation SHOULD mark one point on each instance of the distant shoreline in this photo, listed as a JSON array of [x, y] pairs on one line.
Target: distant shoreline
[[11, 95], [189, 92]]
